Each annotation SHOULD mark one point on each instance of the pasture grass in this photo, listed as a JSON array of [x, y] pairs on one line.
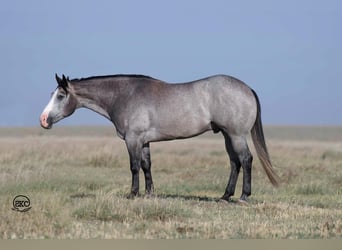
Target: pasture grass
[[77, 180]]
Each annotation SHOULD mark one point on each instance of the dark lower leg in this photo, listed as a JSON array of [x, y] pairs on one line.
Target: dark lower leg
[[149, 188], [135, 152], [235, 167], [230, 189], [135, 181], [146, 167], [247, 176]]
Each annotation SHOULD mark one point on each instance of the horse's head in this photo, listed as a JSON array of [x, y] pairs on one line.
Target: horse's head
[[62, 103]]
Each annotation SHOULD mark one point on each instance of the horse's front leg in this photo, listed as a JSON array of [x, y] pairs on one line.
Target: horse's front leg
[[134, 148], [146, 167]]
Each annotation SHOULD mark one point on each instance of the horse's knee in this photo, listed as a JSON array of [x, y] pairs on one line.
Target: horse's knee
[[135, 169]]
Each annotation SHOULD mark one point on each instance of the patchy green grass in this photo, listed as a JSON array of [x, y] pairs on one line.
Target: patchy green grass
[[77, 180]]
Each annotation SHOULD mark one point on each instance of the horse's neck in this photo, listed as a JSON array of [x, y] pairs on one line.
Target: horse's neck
[[93, 98]]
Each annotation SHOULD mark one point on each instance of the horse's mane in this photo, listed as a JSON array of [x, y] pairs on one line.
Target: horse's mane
[[111, 76]]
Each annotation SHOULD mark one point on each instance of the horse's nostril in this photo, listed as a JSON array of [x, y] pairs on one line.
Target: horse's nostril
[[44, 120]]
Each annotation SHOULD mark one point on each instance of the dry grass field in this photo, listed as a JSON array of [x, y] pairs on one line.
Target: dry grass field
[[77, 179]]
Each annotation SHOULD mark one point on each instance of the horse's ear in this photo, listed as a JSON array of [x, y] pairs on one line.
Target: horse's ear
[[62, 82], [58, 79]]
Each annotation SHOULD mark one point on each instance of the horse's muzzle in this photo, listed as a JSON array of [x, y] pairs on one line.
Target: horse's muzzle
[[45, 121]]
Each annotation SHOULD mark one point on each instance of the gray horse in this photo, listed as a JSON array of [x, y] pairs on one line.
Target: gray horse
[[144, 110]]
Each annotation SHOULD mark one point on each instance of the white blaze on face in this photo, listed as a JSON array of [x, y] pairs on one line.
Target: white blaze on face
[[49, 107]]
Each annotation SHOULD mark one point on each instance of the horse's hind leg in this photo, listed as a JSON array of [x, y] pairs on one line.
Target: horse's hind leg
[[146, 167], [246, 158], [235, 168], [239, 152]]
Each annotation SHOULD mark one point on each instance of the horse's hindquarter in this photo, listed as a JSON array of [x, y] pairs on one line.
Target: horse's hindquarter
[[232, 105]]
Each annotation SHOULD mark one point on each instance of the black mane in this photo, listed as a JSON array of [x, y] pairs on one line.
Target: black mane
[[111, 76]]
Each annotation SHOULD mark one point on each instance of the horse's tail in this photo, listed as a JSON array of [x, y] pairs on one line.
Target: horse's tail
[[260, 146]]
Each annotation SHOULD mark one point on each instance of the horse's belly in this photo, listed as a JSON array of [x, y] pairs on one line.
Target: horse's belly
[[183, 125]]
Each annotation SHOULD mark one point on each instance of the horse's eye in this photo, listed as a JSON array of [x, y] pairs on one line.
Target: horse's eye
[[60, 97]]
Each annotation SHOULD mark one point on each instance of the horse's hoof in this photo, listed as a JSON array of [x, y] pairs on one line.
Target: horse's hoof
[[132, 196], [222, 201], [243, 202]]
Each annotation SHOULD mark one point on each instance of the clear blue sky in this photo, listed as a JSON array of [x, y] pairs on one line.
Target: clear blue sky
[[290, 51]]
